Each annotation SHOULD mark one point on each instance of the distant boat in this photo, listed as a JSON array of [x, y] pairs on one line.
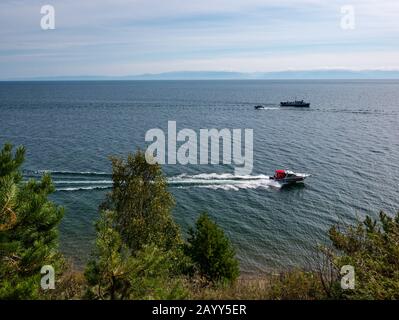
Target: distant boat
[[296, 103], [259, 107]]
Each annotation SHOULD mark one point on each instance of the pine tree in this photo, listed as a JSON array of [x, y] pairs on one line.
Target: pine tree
[[108, 273], [28, 228], [212, 251], [115, 273]]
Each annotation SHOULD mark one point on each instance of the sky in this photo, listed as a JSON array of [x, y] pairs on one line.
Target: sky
[[129, 37]]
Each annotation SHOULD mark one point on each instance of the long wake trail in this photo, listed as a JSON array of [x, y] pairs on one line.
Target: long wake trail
[[85, 181]]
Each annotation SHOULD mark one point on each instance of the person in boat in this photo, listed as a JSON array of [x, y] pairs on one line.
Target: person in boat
[[279, 174]]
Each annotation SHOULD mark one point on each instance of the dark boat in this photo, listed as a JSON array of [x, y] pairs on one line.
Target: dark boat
[[296, 103], [259, 107]]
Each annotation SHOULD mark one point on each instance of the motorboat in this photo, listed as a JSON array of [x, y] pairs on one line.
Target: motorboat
[[259, 107], [286, 177], [296, 103]]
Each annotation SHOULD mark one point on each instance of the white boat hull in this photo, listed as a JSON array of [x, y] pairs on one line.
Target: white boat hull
[[298, 178]]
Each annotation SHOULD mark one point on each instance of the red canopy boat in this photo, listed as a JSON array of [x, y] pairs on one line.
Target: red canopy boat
[[288, 177]]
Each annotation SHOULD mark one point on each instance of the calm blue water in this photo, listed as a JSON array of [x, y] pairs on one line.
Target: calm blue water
[[348, 140]]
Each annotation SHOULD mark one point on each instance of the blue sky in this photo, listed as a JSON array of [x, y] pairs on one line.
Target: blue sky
[[127, 37]]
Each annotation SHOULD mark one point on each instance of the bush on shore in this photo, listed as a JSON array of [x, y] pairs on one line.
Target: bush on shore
[[211, 251], [371, 247]]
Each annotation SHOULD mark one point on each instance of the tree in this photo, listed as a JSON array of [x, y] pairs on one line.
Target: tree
[[108, 272], [28, 228], [212, 251], [142, 204], [139, 247], [372, 248], [115, 273]]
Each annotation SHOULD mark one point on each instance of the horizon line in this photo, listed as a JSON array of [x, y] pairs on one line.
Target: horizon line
[[311, 74]]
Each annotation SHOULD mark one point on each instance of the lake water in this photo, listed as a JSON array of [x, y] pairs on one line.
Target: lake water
[[348, 140]]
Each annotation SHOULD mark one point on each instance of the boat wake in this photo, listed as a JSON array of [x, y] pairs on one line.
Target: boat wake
[[86, 181], [225, 181], [33, 173], [269, 108], [74, 180], [82, 188]]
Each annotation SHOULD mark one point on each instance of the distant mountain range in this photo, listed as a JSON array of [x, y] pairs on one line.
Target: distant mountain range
[[225, 75]]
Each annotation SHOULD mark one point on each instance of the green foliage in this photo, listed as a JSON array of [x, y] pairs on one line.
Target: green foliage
[[155, 275], [372, 248], [108, 273], [28, 229], [288, 285], [116, 273], [212, 251], [296, 285], [142, 204], [139, 252], [10, 164]]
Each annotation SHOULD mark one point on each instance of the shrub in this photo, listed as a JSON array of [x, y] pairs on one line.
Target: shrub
[[211, 251], [296, 285], [372, 248], [115, 273]]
